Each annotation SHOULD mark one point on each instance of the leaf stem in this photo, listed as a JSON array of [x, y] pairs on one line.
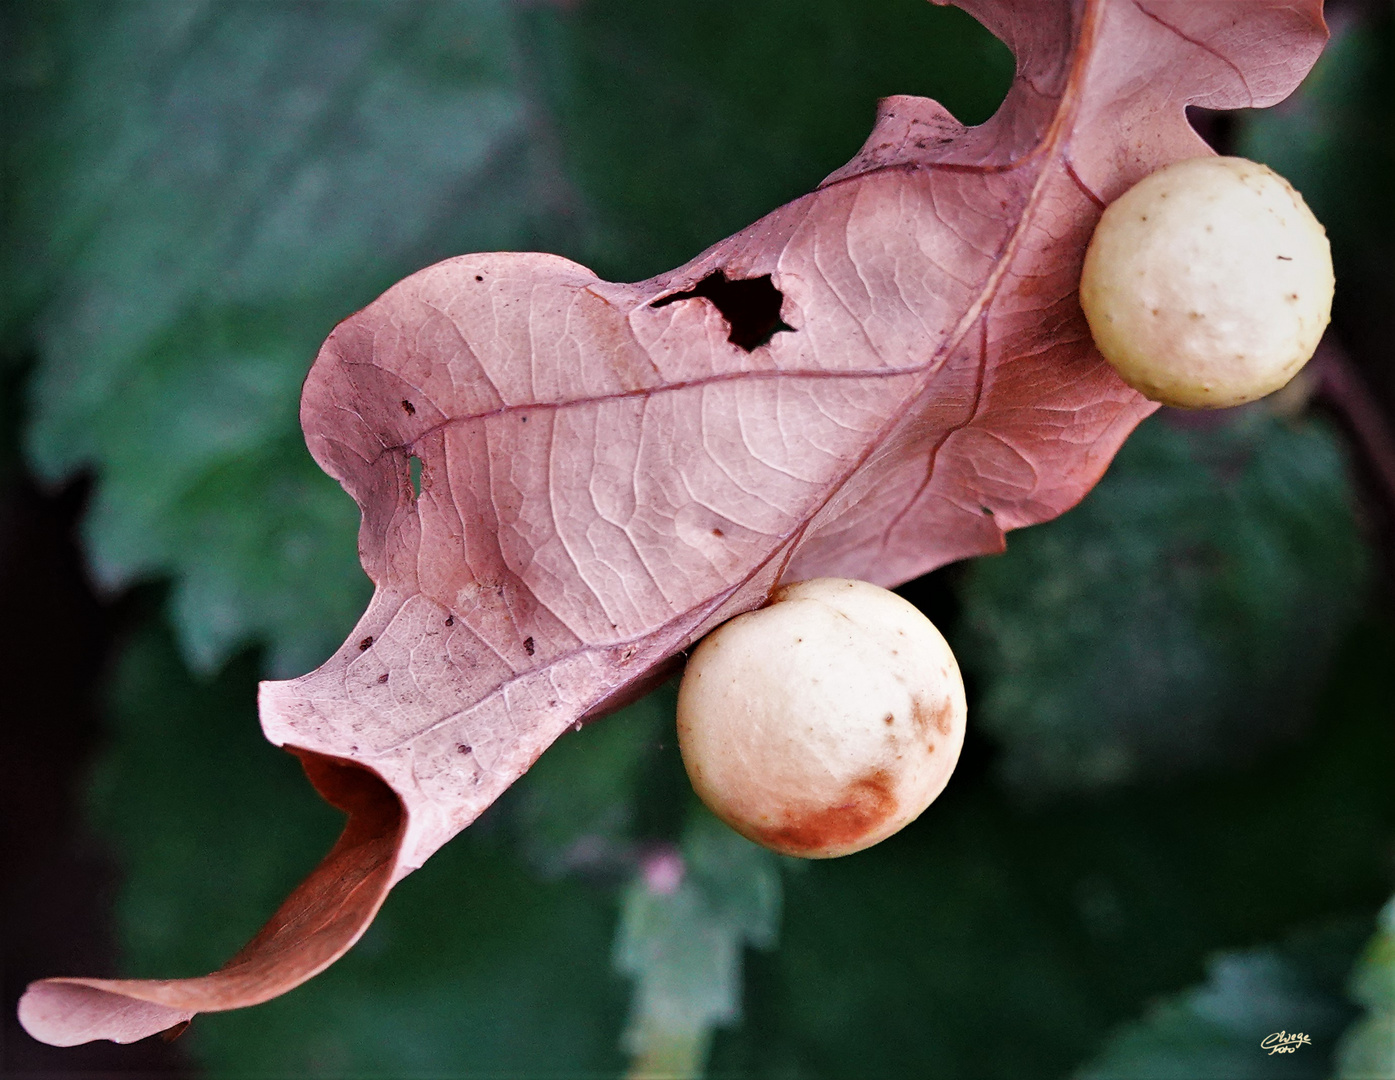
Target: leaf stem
[[1339, 385]]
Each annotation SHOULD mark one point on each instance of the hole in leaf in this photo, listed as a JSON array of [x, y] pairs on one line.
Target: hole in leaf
[[414, 468], [751, 306]]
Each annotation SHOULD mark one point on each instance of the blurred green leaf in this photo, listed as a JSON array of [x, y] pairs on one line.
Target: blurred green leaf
[[213, 825], [1183, 614], [688, 911], [684, 926], [577, 808], [686, 121], [1367, 1051], [1216, 1030], [1335, 141], [986, 940], [200, 192], [991, 939]]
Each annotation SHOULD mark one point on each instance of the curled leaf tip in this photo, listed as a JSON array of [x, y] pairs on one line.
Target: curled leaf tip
[[607, 471]]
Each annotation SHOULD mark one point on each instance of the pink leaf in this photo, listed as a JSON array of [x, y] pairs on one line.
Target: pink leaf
[[876, 379]]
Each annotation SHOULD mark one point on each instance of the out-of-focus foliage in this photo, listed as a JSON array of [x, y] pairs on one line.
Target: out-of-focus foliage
[[686, 122], [1335, 141], [1184, 613], [1368, 1049], [578, 809], [987, 940], [1219, 1028], [686, 919], [201, 191], [996, 940], [196, 192]]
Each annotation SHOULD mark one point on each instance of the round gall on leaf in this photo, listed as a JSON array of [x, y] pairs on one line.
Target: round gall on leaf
[[1208, 283], [824, 722]]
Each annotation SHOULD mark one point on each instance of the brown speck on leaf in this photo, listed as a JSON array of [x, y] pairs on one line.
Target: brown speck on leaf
[[450, 620], [1284, 258], [479, 277], [383, 677], [529, 646], [365, 644], [408, 407], [718, 532], [462, 748]]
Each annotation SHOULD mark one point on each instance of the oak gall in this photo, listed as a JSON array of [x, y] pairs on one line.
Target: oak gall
[[823, 723], [1208, 283]]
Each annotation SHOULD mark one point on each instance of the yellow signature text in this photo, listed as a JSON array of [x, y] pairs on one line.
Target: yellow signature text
[[1283, 1042]]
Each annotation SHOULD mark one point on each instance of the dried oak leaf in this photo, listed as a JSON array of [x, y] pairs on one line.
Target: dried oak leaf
[[876, 379]]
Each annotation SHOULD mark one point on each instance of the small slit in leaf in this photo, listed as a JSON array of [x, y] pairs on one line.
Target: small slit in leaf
[[751, 307], [414, 468]]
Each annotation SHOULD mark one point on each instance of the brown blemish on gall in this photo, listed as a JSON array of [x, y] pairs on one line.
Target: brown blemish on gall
[[867, 803], [925, 717]]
